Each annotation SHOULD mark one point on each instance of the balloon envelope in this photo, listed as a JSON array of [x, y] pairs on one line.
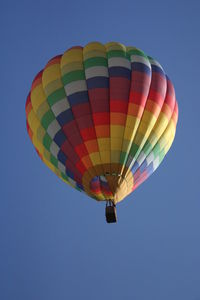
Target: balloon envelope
[[102, 117]]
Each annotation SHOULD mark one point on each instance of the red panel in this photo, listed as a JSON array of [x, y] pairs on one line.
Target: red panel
[[70, 128], [119, 88], [88, 134], [69, 151], [81, 110], [118, 106], [170, 95], [81, 150], [99, 100], [101, 118], [85, 122], [80, 167]]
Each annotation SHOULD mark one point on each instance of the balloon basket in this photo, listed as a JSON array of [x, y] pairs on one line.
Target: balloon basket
[[111, 212]]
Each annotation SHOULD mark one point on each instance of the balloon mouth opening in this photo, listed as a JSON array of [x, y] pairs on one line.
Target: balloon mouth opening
[[104, 186], [108, 182], [99, 185]]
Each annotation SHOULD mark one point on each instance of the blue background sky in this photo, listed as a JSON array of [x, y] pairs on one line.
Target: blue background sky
[[54, 242]]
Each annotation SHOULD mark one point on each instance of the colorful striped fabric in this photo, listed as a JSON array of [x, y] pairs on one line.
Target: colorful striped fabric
[[102, 117]]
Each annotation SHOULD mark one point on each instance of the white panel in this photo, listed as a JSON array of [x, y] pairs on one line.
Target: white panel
[[54, 149], [61, 167], [96, 71], [119, 62], [140, 59], [53, 128], [75, 86], [60, 106]]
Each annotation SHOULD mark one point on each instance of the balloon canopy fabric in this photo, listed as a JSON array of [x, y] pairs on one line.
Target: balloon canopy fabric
[[102, 117]]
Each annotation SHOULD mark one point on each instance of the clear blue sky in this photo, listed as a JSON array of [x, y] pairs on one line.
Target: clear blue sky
[[54, 242]]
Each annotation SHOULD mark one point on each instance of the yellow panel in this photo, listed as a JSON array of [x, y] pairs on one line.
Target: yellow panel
[[72, 55], [37, 97], [94, 53], [48, 163], [132, 121], [46, 154], [57, 172], [116, 131], [146, 127], [147, 117], [129, 176], [94, 46], [69, 67], [105, 157], [44, 107], [100, 196], [116, 144], [53, 86], [31, 119], [161, 124], [129, 133], [38, 145], [126, 145], [40, 133], [35, 125], [115, 46], [104, 144], [139, 139], [115, 156], [50, 74], [153, 138], [95, 158], [169, 143]]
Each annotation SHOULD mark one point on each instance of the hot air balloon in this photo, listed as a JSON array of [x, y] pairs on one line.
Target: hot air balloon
[[102, 117]]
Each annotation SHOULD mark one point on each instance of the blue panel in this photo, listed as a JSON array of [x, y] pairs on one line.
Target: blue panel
[[143, 166], [136, 66], [70, 173], [78, 98], [157, 70], [98, 82], [59, 138], [65, 117], [150, 169], [79, 186], [62, 157], [119, 72], [135, 167]]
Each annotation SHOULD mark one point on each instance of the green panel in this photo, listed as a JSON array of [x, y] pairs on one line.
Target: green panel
[[116, 53], [54, 161], [47, 119], [56, 96], [95, 61], [73, 76], [123, 157], [147, 147], [134, 149], [156, 149], [47, 141], [64, 176], [161, 155], [137, 52]]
